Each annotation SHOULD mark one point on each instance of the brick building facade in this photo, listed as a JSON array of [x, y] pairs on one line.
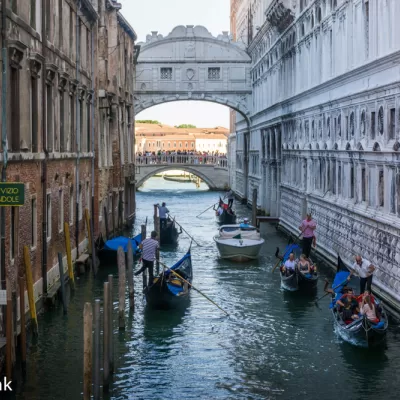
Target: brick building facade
[[68, 63]]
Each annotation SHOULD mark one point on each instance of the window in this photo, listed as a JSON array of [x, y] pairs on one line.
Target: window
[[366, 28], [214, 73], [62, 123], [80, 205], [60, 25], [71, 205], [88, 197], [186, 144], [166, 73], [180, 144], [33, 222], [32, 14], [373, 125], [60, 210], [392, 123], [48, 211], [339, 191], [34, 114], [14, 92], [174, 144], [381, 186], [169, 144], [351, 182], [49, 122], [49, 11], [192, 145], [71, 33], [88, 146], [81, 125], [71, 146], [14, 232], [363, 184], [13, 6]]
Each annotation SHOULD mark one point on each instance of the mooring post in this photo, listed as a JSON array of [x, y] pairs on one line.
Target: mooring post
[[87, 220], [22, 343], [87, 350], [254, 208], [9, 331], [62, 283], [156, 222], [96, 374], [29, 287], [106, 333], [143, 231], [130, 276], [69, 257], [111, 321], [121, 287]]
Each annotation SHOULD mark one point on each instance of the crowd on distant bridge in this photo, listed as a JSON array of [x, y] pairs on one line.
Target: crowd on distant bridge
[[181, 157]]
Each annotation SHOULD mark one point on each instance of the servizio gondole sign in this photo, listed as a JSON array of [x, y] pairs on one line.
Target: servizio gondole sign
[[12, 194]]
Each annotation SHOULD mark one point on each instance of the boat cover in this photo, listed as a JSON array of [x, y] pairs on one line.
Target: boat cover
[[338, 283], [122, 241]]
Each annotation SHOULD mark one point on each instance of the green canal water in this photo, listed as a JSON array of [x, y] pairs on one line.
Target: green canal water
[[274, 345]]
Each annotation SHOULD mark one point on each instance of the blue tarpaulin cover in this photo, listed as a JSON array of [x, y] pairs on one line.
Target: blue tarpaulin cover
[[122, 241]]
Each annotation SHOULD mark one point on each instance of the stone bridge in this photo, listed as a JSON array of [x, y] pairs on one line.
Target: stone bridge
[[212, 170]]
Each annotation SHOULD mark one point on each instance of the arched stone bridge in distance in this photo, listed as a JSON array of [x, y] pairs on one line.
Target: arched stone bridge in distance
[[191, 64], [212, 170]]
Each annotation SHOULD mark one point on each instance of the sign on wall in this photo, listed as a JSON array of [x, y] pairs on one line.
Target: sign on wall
[[12, 194]]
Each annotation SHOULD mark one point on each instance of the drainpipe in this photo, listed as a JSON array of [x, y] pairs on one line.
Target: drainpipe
[[46, 155], [78, 130], [93, 149], [3, 140]]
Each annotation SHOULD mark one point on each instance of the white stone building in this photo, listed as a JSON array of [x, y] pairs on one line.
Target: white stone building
[[325, 125]]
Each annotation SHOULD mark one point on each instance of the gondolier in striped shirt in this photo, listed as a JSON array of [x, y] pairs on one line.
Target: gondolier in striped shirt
[[149, 248]]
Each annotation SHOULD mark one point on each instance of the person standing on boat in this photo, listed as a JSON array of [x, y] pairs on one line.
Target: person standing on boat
[[163, 211], [308, 227], [230, 196], [364, 269], [149, 248]]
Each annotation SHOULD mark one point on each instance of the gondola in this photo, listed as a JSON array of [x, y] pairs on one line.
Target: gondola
[[228, 216], [297, 280], [360, 332], [107, 250], [169, 233], [168, 290]]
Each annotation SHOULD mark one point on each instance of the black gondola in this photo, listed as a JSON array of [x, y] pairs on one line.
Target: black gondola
[[360, 332], [297, 280], [168, 290], [168, 232], [107, 250], [228, 216]]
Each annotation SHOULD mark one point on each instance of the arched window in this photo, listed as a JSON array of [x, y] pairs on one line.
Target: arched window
[[186, 144], [180, 144], [174, 144], [169, 144]]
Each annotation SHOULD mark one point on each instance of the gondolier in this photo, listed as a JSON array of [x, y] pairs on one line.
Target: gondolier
[[230, 196], [308, 227], [364, 269], [163, 211], [149, 247]]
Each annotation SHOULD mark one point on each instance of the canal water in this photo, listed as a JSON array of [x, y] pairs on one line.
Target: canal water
[[274, 345]]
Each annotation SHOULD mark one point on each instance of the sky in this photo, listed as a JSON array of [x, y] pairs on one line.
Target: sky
[[162, 16]]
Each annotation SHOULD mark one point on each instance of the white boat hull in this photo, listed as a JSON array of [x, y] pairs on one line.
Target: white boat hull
[[239, 249]]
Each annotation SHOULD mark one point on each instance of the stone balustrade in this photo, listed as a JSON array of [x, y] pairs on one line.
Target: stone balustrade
[[216, 161]]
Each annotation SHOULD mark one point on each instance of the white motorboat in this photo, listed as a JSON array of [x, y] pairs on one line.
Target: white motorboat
[[238, 243]]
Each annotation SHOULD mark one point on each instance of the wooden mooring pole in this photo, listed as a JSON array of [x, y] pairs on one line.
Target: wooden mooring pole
[[22, 342], [87, 351], [97, 328], [254, 208], [69, 255], [130, 276], [62, 283], [89, 232], [111, 322], [121, 288], [29, 287], [9, 331], [106, 333], [106, 223], [143, 231]]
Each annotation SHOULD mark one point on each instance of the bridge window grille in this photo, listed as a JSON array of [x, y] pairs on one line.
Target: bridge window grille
[[214, 73], [166, 73]]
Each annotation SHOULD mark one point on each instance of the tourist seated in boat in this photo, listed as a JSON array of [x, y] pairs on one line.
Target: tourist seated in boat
[[304, 266], [219, 211], [163, 211], [289, 266], [245, 224], [367, 307], [348, 306]]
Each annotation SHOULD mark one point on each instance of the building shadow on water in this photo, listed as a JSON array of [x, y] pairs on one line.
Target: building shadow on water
[[299, 304]]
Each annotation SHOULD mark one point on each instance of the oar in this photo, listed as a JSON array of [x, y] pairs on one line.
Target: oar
[[279, 261], [206, 210], [185, 231], [326, 294], [184, 280]]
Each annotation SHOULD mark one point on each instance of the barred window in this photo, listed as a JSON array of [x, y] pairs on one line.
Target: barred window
[[166, 73], [214, 73]]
